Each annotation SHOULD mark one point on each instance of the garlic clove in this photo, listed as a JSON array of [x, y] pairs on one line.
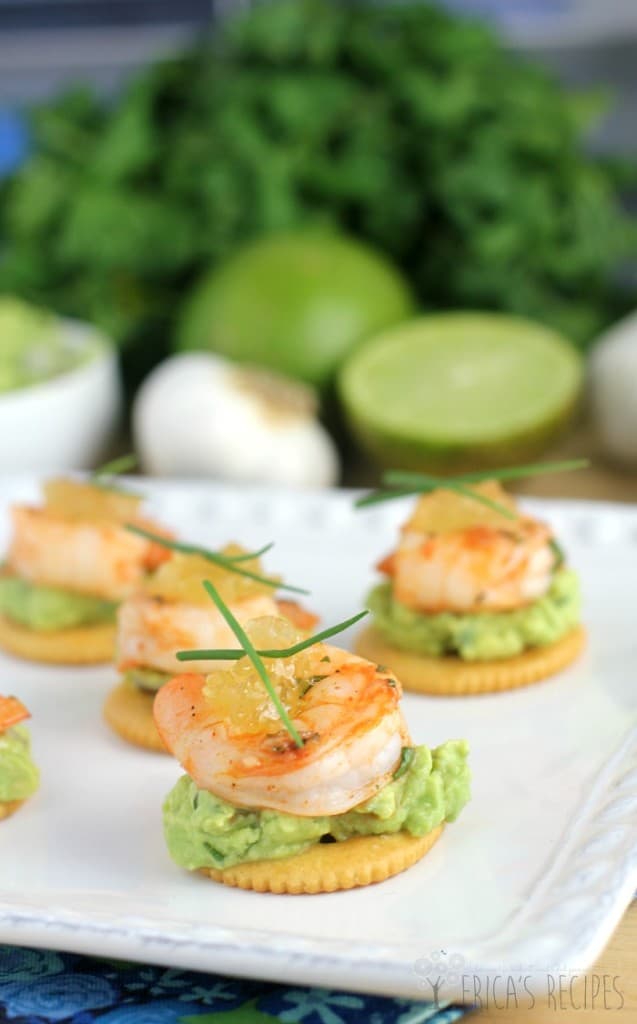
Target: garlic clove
[[613, 390], [200, 415]]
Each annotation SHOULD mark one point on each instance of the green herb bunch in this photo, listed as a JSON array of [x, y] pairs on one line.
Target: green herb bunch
[[409, 127]]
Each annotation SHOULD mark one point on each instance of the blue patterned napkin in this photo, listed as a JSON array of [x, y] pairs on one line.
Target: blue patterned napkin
[[39, 987]]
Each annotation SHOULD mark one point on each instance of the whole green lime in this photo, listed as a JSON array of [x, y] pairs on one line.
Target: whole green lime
[[297, 303], [458, 390]]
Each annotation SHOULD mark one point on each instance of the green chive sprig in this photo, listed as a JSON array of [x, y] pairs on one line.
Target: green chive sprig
[[229, 562], [401, 483], [234, 654], [123, 464], [103, 476], [407, 755], [252, 554], [250, 652]]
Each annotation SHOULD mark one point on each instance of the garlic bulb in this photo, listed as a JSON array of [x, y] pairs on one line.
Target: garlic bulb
[[613, 390], [197, 415]]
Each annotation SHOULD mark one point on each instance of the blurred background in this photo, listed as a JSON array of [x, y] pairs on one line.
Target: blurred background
[[301, 241]]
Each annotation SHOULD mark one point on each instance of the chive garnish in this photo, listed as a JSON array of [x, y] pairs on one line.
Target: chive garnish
[[228, 562], [233, 654], [116, 466], [251, 554], [102, 476], [254, 657], [401, 483], [407, 755], [558, 551], [422, 481]]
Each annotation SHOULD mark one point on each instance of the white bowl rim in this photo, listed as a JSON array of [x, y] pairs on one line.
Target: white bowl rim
[[106, 353]]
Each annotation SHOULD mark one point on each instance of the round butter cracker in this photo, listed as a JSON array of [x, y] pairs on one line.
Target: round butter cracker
[[450, 676], [82, 645], [9, 807], [330, 867], [129, 712]]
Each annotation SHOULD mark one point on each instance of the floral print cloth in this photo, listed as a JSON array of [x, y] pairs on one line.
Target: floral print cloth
[[40, 987]]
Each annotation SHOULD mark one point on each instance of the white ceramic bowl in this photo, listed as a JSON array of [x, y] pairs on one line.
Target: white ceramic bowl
[[65, 422]]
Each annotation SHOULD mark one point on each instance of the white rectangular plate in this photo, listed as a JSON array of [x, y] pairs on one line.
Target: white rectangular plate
[[532, 877]]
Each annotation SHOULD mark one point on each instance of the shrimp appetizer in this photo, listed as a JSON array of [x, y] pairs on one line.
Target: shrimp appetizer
[[311, 785], [172, 611], [70, 562], [19, 777], [477, 598]]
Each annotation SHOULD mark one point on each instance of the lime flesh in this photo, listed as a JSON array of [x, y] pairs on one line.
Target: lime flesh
[[459, 389]]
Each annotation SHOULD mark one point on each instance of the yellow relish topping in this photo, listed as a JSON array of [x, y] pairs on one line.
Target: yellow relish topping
[[179, 578], [238, 693], [80, 500], [443, 511]]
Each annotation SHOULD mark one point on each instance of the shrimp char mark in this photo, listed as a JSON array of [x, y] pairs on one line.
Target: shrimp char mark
[[227, 735]]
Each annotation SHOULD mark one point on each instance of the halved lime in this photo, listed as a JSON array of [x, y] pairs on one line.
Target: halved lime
[[460, 389]]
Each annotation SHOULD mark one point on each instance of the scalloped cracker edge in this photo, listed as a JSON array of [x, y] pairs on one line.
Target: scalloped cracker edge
[[330, 867], [83, 645], [129, 712], [452, 677]]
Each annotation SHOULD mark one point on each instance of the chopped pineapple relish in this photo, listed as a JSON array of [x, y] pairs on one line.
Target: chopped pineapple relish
[[238, 692], [81, 500], [179, 579]]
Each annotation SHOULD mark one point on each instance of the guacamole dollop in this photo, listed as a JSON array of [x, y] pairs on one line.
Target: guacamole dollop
[[37, 345], [45, 609], [19, 777], [204, 831], [148, 680], [483, 635]]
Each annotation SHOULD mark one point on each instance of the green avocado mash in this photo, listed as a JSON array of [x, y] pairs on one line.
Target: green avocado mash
[[19, 777], [47, 608], [203, 831], [148, 680], [37, 345], [483, 635]]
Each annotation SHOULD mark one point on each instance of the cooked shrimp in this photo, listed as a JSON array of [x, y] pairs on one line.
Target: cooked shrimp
[[12, 711], [174, 612], [491, 563], [348, 717], [150, 629], [297, 615], [94, 556]]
